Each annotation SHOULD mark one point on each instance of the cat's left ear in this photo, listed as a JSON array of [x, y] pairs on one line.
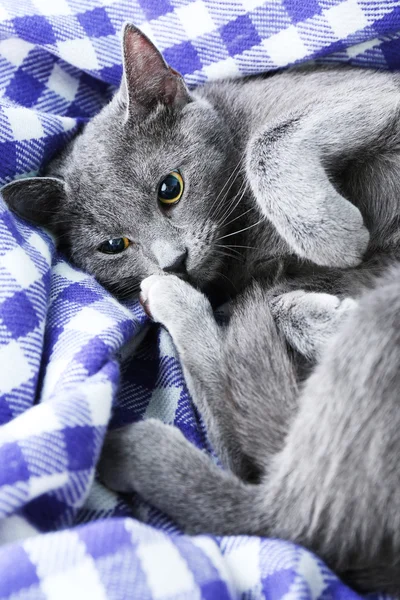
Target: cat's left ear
[[148, 80], [36, 199]]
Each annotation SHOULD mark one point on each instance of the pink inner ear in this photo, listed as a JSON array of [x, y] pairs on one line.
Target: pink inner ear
[[149, 79], [142, 59]]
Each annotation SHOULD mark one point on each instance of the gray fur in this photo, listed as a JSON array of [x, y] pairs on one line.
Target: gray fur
[[292, 180], [317, 466]]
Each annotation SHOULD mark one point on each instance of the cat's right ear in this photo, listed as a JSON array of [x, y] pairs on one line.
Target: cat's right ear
[[36, 199], [147, 80]]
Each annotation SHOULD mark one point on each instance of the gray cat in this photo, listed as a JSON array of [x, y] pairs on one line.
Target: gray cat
[[290, 180]]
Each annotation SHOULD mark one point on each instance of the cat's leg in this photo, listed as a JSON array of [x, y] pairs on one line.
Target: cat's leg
[[261, 387], [294, 192], [156, 461], [188, 316], [246, 421], [289, 167]]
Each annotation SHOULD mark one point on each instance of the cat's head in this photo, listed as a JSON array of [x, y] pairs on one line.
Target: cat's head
[[139, 189]]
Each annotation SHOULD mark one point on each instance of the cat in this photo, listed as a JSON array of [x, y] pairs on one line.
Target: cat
[[290, 180]]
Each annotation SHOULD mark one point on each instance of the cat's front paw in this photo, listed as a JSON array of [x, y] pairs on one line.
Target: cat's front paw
[[308, 319], [171, 301], [117, 460]]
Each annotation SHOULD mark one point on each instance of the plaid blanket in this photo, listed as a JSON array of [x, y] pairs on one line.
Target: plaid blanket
[[72, 358]]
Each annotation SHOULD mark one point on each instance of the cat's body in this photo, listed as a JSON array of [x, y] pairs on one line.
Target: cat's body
[[315, 464], [268, 167]]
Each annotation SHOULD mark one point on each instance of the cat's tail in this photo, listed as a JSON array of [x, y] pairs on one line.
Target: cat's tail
[[335, 487]]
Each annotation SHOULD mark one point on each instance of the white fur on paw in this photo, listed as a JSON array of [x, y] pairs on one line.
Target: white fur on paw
[[159, 294], [169, 299], [148, 283]]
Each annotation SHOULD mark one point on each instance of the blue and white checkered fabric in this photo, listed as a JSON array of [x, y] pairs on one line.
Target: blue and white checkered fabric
[[63, 338]]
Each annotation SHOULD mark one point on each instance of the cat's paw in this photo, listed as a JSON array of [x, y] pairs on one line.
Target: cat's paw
[[308, 319], [117, 460], [345, 237], [171, 301]]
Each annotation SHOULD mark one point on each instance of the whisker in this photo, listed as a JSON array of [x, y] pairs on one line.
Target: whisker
[[226, 185], [124, 292], [241, 230], [240, 191], [230, 281], [237, 246], [231, 209], [224, 246], [236, 172], [228, 255], [239, 216]]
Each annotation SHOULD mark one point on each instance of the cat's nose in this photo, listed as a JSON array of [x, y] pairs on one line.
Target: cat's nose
[[178, 265], [170, 259]]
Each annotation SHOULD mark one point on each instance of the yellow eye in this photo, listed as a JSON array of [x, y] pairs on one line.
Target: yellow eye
[[114, 246], [171, 188]]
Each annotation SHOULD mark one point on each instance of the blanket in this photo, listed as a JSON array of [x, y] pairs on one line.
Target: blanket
[[73, 360]]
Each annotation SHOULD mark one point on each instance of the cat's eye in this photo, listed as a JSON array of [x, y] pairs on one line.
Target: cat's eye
[[114, 246], [171, 188]]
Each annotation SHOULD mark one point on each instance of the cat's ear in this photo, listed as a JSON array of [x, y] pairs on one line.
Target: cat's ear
[[36, 199], [148, 80]]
